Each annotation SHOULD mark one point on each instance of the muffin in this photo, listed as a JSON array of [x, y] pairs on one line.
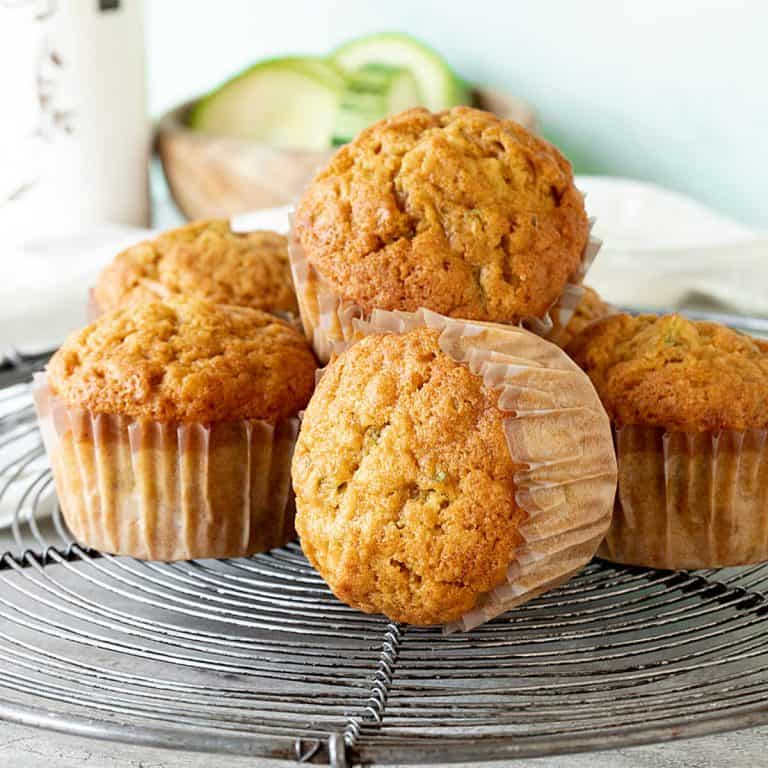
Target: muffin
[[689, 405], [446, 471], [590, 308], [458, 212], [170, 427], [204, 259]]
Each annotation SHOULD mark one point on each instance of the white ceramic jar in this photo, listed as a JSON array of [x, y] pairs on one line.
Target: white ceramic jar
[[75, 137]]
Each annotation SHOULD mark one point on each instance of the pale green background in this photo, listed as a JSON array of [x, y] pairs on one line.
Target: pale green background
[[672, 91]]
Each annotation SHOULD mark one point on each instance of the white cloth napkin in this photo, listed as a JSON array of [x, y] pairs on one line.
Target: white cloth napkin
[[660, 250], [44, 284], [663, 250]]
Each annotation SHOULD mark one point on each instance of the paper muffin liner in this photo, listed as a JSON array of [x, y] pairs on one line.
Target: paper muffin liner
[[562, 335], [689, 500], [558, 434], [160, 491], [328, 318]]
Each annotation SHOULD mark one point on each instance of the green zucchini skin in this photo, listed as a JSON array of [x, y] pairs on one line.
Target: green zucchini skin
[[440, 87]]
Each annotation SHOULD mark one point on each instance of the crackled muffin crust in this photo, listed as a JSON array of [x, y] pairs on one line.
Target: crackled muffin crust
[[404, 482], [204, 259], [675, 373], [459, 212], [185, 360]]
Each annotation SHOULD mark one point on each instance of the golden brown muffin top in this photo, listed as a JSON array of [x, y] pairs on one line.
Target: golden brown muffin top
[[675, 373], [590, 308], [204, 259], [459, 212], [185, 360], [404, 482]]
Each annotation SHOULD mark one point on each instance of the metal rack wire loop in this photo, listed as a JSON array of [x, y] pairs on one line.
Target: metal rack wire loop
[[255, 656]]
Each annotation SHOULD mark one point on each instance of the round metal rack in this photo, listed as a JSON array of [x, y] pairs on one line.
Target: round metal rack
[[255, 656]]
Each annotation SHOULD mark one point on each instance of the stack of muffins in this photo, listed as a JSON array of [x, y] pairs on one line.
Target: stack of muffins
[[170, 421], [457, 455]]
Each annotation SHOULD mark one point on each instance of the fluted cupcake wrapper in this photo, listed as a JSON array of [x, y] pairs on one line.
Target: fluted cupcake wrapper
[[161, 491], [562, 335], [553, 324], [558, 435], [328, 318], [689, 500]]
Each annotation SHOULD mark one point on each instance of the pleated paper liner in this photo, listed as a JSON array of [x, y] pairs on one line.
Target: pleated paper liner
[[553, 324], [562, 335], [690, 500], [161, 491], [328, 318], [557, 433]]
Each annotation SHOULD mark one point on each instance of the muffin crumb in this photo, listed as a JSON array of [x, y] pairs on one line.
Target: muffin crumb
[[675, 373], [404, 483], [185, 360], [206, 260], [459, 212]]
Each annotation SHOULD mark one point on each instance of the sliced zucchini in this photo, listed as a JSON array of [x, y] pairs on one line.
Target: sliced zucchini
[[373, 92], [439, 87], [287, 102]]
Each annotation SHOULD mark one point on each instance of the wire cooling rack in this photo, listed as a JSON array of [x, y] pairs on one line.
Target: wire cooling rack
[[255, 656]]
